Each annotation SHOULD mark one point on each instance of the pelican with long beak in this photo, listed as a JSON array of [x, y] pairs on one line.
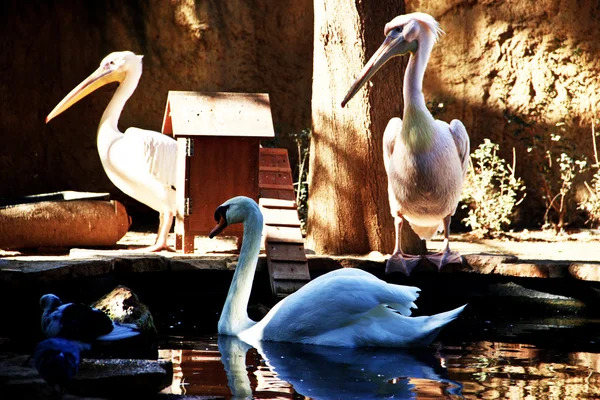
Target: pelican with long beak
[[426, 160], [141, 163]]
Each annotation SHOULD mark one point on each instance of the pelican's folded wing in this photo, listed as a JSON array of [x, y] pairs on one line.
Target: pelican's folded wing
[[461, 139]]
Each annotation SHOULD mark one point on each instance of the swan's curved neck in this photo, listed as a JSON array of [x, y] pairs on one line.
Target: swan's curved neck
[[234, 317], [418, 126], [108, 130]]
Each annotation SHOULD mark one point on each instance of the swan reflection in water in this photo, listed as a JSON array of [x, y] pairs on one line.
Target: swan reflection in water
[[326, 372]]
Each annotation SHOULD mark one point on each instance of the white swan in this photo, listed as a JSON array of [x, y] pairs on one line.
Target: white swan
[[346, 307]]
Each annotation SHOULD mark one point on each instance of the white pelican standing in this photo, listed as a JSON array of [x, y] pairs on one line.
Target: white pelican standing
[[426, 160], [141, 163], [347, 307]]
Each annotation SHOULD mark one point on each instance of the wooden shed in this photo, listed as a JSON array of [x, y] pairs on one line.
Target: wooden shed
[[218, 136]]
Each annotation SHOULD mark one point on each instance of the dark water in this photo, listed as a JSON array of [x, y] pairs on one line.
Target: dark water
[[549, 359]]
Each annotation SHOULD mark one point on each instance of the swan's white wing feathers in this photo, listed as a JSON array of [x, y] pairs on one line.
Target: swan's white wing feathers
[[331, 302]]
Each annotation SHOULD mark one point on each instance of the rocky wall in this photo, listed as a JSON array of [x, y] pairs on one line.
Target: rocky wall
[[516, 72], [519, 72]]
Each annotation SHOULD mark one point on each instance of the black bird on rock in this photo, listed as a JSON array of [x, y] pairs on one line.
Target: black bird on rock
[[57, 360], [78, 321]]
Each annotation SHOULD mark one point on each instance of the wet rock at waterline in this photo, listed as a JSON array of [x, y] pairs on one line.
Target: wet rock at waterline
[[122, 305], [96, 378]]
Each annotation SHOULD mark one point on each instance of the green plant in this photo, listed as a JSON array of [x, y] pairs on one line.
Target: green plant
[[558, 169], [492, 190], [567, 167], [302, 141]]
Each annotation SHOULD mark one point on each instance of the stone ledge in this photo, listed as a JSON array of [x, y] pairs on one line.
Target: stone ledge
[[102, 263], [96, 377]]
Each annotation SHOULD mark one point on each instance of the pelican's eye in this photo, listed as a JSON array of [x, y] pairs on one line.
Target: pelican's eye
[[395, 30]]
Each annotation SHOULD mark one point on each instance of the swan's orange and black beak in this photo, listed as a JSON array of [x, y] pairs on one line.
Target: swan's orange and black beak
[[221, 218], [222, 224]]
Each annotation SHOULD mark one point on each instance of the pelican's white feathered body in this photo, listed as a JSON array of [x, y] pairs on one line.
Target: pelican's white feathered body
[[426, 160], [141, 163], [347, 307], [418, 190]]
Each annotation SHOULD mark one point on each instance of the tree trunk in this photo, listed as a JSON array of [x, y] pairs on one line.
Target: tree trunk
[[348, 202]]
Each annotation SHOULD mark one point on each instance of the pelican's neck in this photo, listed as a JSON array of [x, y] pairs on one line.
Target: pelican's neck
[[418, 126], [108, 130], [234, 317]]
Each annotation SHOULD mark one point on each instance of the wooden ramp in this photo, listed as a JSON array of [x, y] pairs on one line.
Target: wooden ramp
[[284, 245]]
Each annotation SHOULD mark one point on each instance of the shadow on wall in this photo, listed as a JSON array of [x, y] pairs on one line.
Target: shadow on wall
[[187, 45], [518, 73], [505, 128]]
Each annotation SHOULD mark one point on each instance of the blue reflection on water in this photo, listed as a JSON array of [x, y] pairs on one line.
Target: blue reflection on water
[[286, 370], [327, 372], [541, 358]]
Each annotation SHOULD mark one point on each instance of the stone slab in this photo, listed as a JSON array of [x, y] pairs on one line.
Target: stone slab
[[545, 260]]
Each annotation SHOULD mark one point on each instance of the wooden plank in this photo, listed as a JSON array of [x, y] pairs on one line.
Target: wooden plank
[[266, 168], [275, 187], [281, 270], [283, 234], [273, 151], [285, 194], [284, 244], [273, 154], [285, 288], [274, 160], [285, 251], [267, 202], [274, 216], [276, 178]]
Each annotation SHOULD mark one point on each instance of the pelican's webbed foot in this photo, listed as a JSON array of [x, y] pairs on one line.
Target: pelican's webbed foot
[[444, 258], [404, 263]]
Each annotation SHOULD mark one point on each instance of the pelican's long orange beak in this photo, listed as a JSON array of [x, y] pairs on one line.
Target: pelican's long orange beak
[[393, 45], [105, 74]]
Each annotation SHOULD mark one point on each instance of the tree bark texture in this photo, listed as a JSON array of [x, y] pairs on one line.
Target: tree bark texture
[[348, 201]]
